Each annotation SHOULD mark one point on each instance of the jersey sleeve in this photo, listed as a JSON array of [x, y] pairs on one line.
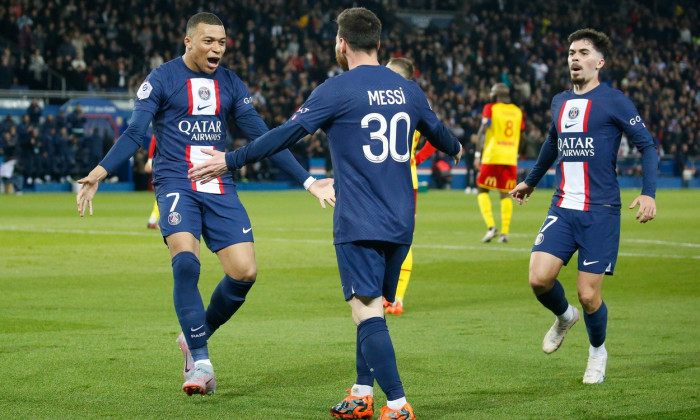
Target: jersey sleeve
[[486, 114], [627, 117], [318, 108]]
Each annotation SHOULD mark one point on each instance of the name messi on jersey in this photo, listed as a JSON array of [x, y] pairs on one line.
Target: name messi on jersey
[[386, 97], [576, 146], [201, 130]]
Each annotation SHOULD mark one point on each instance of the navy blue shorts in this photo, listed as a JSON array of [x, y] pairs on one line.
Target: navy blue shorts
[[370, 268], [220, 218], [595, 234]]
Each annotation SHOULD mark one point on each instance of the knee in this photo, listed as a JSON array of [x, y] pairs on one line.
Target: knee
[[247, 274], [590, 301], [540, 281]]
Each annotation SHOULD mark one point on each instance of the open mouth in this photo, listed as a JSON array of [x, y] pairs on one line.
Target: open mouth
[[213, 61]]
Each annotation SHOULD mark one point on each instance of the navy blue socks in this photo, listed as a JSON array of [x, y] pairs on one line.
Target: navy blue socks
[[555, 299], [228, 296], [364, 375], [188, 301], [596, 325], [378, 351]]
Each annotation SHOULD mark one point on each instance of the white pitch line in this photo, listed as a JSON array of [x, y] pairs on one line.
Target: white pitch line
[[330, 242]]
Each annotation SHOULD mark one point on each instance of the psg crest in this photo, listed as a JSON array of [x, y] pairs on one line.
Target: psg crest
[[573, 112], [204, 93], [174, 218]]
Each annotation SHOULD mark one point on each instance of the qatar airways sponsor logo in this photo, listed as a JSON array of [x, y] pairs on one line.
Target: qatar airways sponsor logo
[[201, 130], [576, 146]]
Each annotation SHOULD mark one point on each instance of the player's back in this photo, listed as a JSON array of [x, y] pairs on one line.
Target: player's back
[[370, 131], [503, 136]]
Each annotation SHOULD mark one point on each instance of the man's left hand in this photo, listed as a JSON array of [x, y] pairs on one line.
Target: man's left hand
[[647, 208], [211, 169]]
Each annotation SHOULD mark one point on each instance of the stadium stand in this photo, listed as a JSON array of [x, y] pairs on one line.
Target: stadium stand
[[54, 52]]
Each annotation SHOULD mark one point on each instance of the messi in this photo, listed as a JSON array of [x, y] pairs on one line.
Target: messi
[[386, 97]]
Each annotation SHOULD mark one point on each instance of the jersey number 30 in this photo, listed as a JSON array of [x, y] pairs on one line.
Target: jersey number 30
[[388, 145]]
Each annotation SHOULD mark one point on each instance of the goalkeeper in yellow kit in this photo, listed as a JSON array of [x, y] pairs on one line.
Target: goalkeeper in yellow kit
[[497, 153]]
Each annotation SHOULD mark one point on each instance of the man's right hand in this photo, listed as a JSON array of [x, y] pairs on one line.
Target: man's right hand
[[88, 189], [522, 192], [458, 156]]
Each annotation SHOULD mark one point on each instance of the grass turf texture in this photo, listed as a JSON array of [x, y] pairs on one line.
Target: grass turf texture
[[87, 327]]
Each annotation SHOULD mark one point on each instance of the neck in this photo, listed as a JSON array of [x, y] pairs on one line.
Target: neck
[[362, 59], [585, 87]]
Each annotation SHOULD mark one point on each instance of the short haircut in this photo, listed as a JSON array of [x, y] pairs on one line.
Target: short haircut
[[205, 18], [404, 66], [500, 90], [600, 41], [360, 28]]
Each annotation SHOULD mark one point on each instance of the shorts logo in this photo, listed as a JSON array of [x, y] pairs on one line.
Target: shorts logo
[[573, 112], [174, 218], [204, 93], [491, 181], [510, 184], [539, 239]]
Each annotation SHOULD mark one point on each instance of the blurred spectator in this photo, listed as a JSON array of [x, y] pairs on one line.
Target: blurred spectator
[[34, 111]]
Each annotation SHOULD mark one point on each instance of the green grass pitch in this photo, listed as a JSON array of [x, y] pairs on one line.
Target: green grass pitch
[[87, 326]]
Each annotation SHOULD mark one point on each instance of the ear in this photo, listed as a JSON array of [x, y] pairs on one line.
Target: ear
[[601, 64], [188, 43]]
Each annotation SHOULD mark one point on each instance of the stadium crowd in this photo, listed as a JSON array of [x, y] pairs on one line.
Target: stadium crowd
[[280, 49]]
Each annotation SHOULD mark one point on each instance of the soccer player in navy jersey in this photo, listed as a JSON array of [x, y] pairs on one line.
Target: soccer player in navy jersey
[[369, 113], [188, 100], [584, 137]]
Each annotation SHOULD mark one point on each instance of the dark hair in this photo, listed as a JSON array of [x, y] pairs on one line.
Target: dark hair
[[404, 66], [600, 41], [205, 18], [360, 28]]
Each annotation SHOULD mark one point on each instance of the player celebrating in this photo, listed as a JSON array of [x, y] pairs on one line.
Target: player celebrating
[[404, 67], [369, 113], [499, 137], [189, 99], [583, 140]]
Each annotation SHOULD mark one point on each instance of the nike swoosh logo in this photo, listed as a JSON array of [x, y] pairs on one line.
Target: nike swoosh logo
[[589, 262], [196, 329], [247, 230], [199, 107], [569, 125]]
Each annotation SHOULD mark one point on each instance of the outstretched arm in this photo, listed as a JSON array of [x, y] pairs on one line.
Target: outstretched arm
[[123, 149], [268, 144]]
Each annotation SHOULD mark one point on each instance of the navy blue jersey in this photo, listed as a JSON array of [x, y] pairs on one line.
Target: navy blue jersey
[[189, 114], [586, 131], [369, 114]]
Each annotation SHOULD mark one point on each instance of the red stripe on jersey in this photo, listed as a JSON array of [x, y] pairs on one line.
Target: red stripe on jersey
[[563, 181], [187, 151], [561, 115], [585, 128], [587, 198], [189, 98], [221, 185], [218, 100]]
